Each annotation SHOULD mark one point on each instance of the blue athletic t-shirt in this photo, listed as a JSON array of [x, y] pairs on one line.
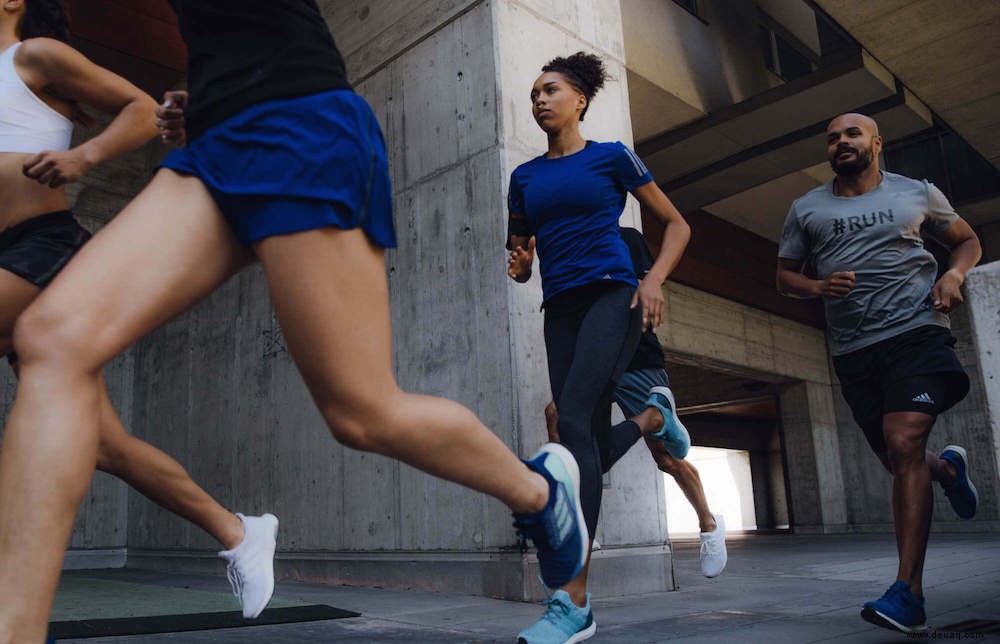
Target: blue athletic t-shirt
[[572, 205]]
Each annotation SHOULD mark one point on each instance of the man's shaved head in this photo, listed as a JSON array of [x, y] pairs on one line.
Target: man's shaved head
[[852, 144], [854, 118]]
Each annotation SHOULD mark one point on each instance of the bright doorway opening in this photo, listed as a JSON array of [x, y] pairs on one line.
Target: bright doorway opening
[[725, 475]]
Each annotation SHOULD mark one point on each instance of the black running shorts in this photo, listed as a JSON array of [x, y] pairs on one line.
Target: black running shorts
[[37, 249], [916, 370]]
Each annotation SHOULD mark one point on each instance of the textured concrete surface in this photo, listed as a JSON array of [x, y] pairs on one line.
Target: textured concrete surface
[[778, 588]]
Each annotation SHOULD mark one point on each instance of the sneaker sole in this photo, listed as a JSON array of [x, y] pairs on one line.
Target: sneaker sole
[[872, 616], [677, 428], [585, 634], [573, 468], [579, 636], [968, 481]]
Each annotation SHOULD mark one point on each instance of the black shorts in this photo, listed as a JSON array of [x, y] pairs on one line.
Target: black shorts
[[916, 370], [38, 248]]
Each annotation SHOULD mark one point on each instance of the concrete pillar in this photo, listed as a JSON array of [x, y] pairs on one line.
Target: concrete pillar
[[982, 286], [449, 82], [813, 457], [760, 474]]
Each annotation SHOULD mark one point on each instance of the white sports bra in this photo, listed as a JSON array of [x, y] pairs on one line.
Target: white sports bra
[[27, 123]]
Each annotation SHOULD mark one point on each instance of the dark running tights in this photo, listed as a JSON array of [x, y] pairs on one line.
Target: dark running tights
[[590, 336]]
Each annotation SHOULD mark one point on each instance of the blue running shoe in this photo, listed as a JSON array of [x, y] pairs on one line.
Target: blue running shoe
[[962, 493], [897, 609], [563, 623], [673, 434], [558, 531]]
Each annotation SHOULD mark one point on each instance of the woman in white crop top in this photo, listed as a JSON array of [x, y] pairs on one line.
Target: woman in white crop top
[[43, 83]]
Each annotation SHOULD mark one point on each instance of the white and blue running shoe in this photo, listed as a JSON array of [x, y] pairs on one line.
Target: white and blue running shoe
[[674, 435], [563, 622], [558, 531]]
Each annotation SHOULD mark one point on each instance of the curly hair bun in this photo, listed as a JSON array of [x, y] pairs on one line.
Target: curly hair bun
[[45, 19], [583, 71]]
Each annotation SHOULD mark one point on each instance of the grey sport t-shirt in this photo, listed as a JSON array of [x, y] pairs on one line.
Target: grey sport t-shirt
[[876, 235]]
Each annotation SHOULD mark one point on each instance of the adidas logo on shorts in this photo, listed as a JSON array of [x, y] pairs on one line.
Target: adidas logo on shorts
[[923, 398]]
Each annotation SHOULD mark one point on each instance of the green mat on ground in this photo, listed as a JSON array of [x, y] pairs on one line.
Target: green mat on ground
[[94, 607]]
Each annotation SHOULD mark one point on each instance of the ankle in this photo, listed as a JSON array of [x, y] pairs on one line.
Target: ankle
[[536, 498], [650, 421], [947, 475], [235, 532], [708, 525]]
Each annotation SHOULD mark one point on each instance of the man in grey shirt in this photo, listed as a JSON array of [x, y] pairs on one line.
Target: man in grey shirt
[[888, 329]]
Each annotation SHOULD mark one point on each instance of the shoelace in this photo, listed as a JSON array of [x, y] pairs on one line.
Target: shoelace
[[235, 580], [894, 594], [553, 606], [711, 547]]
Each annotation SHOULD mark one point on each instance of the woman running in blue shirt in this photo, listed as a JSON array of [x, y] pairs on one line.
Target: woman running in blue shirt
[[570, 200]]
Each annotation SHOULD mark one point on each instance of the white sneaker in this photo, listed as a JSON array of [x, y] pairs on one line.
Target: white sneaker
[[250, 566], [594, 547], [713, 548]]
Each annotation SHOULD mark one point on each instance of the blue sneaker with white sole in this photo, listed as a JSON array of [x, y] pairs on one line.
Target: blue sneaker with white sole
[[674, 435], [563, 622], [898, 609], [962, 493], [558, 530]]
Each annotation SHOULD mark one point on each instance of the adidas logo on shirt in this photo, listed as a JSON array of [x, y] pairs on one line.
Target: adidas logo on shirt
[[923, 398]]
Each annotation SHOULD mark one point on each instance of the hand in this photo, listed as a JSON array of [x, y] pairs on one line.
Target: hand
[[650, 296], [519, 262], [170, 118], [947, 292], [837, 285], [56, 169]]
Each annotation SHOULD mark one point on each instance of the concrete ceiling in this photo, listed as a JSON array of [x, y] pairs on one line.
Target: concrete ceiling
[[772, 135], [946, 51]]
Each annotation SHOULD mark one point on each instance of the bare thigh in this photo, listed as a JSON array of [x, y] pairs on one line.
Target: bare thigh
[[169, 248], [331, 295]]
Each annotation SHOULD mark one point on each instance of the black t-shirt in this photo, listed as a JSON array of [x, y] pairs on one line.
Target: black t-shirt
[[649, 354], [244, 52]]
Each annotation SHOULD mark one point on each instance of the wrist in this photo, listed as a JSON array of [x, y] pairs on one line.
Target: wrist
[[654, 278], [956, 274], [89, 155]]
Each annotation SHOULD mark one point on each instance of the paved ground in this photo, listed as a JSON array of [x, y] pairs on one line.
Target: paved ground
[[777, 588]]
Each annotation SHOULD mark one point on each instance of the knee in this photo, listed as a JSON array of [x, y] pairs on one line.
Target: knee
[[44, 334], [359, 425], [906, 442]]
